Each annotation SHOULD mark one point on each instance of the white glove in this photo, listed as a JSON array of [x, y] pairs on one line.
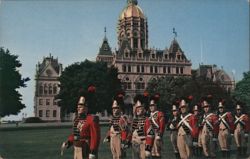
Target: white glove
[[171, 126], [214, 139], [91, 156], [105, 140], [246, 135], [63, 147], [195, 144], [147, 153]]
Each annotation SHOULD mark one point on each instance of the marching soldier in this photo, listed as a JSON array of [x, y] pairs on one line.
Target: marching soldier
[[226, 127], [86, 133], [118, 132], [158, 122], [242, 128], [172, 126], [187, 131], [142, 134], [209, 130], [197, 145]]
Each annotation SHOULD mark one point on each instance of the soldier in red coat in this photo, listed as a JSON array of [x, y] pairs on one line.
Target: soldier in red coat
[[142, 133], [187, 131], [158, 122], [226, 128], [241, 131], [86, 133], [209, 130], [118, 132]]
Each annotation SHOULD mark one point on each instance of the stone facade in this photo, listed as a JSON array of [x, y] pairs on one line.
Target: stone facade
[[136, 62], [47, 87], [212, 72]]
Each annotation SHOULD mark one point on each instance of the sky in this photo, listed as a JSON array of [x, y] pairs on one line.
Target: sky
[[209, 32]]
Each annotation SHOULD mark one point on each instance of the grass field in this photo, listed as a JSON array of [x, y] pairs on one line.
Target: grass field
[[44, 143]]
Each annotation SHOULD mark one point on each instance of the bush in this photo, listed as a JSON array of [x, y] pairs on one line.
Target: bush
[[33, 120]]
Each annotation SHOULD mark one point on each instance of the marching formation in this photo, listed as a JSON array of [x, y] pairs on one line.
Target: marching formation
[[200, 133]]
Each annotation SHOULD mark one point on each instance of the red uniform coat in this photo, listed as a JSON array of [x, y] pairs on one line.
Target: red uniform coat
[[244, 120], [211, 121], [158, 122], [189, 122], [228, 120], [86, 131]]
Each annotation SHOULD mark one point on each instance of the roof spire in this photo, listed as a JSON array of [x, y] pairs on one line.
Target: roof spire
[[105, 31], [175, 33], [132, 2]]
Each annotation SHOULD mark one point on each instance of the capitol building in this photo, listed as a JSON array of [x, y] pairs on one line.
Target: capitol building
[[137, 63]]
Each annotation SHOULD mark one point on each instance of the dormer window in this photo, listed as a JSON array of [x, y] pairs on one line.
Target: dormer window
[[153, 56], [178, 57], [140, 55], [166, 56], [126, 55]]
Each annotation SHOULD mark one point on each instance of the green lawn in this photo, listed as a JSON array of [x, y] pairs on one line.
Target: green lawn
[[45, 143]]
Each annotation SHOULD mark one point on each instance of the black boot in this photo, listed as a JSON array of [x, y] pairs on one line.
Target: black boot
[[224, 155], [228, 154], [238, 151], [200, 151], [244, 151]]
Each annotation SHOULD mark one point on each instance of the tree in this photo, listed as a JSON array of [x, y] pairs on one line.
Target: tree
[[242, 90], [172, 89], [76, 79], [10, 81]]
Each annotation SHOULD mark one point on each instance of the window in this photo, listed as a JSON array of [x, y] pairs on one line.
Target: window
[[164, 69], [140, 55], [47, 113], [153, 56], [138, 68], [166, 56], [123, 68], [142, 69], [47, 102], [40, 113], [151, 69], [54, 113], [40, 89], [40, 101], [50, 89], [177, 70], [129, 68], [45, 89], [126, 54], [140, 85], [156, 69], [169, 69], [127, 85], [135, 44], [54, 89], [181, 70]]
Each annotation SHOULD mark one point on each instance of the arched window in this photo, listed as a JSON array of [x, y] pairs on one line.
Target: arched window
[[45, 89], [54, 89], [50, 89]]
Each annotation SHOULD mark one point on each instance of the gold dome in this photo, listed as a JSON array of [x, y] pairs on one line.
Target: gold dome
[[132, 10]]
